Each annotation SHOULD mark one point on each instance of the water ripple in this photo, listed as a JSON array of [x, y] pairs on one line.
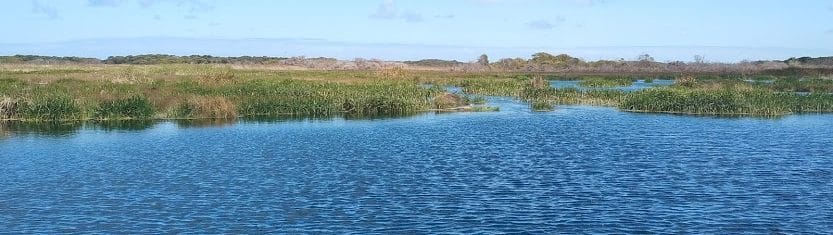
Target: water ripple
[[575, 170]]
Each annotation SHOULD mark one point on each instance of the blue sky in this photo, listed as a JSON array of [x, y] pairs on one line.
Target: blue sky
[[721, 30]]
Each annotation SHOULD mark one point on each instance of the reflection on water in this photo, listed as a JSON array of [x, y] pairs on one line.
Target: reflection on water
[[54, 129], [67, 129], [121, 125], [206, 122]]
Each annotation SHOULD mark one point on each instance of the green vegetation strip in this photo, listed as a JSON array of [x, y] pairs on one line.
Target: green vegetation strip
[[209, 91], [184, 92]]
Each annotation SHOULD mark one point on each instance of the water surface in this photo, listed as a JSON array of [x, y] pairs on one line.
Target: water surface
[[635, 86], [575, 170]]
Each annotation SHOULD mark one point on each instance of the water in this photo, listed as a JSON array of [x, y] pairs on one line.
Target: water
[[574, 170], [635, 86]]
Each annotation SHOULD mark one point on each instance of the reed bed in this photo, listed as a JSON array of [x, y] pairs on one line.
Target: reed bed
[[215, 91], [183, 92], [725, 101], [800, 85]]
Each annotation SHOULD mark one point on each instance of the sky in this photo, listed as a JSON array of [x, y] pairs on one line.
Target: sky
[[721, 30]]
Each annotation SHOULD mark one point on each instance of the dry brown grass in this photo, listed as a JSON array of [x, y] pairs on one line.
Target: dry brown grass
[[447, 101], [392, 72], [210, 107], [8, 107]]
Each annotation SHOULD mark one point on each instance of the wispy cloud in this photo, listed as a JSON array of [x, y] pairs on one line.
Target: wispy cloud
[[387, 10], [545, 24], [104, 3], [445, 16], [585, 2], [540, 24], [191, 9], [577, 2], [147, 3], [412, 17], [48, 11]]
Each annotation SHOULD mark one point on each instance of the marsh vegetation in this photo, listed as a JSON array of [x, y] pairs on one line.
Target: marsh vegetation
[[118, 92], [210, 91]]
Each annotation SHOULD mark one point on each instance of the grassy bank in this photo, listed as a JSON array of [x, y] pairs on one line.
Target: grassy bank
[[728, 97], [191, 91]]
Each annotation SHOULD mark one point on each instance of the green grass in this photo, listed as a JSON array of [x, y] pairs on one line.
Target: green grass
[[801, 85], [184, 92], [725, 101], [134, 107], [50, 108]]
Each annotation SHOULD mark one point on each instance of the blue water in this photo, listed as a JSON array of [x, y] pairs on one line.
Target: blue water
[[635, 86], [577, 169]]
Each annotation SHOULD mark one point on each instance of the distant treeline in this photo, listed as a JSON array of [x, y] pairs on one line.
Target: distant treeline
[[434, 63], [538, 62], [142, 59], [192, 59], [820, 61], [37, 59]]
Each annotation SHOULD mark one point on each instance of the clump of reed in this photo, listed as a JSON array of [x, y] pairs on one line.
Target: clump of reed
[[216, 107], [685, 81], [8, 108], [292, 97], [133, 107], [448, 100], [538, 82], [50, 108], [541, 106], [605, 82], [493, 87], [735, 100], [801, 85], [394, 72], [572, 96]]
